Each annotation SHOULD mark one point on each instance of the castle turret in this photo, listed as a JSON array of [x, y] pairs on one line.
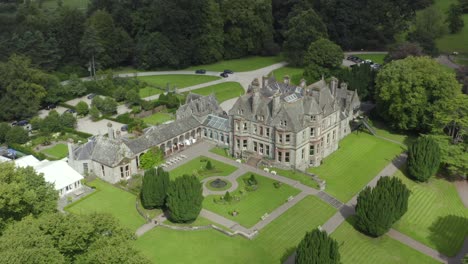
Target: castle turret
[[110, 131], [276, 103], [333, 85]]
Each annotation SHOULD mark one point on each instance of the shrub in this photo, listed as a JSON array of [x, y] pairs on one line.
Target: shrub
[[317, 247], [184, 199], [277, 184], [227, 197], [82, 108], [423, 158], [209, 166]]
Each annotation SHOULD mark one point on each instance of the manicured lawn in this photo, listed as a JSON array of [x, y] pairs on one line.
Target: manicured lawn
[[252, 205], [58, 151], [158, 118], [200, 221], [222, 152], [436, 216], [376, 58], [384, 131], [209, 246], [298, 176], [178, 80], [222, 91], [289, 229], [197, 167], [295, 74], [359, 159], [455, 42], [149, 91], [112, 200], [240, 65], [358, 248]]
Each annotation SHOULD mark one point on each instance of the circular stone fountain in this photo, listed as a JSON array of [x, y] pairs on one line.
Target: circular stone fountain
[[218, 184]]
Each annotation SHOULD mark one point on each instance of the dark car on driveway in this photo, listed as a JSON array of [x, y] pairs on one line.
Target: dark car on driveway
[[51, 106], [91, 96], [71, 111], [228, 71], [224, 75], [22, 123], [124, 128], [200, 71]]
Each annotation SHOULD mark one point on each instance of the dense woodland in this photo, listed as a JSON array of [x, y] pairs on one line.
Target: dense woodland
[[175, 34]]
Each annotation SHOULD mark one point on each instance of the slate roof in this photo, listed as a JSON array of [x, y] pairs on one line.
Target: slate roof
[[198, 105], [218, 123], [84, 151], [156, 135], [110, 152]]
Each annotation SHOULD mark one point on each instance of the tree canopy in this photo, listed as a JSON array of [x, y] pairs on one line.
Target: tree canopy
[[153, 157], [317, 247], [379, 207], [423, 158], [24, 192], [154, 188], [184, 199], [408, 90], [322, 58]]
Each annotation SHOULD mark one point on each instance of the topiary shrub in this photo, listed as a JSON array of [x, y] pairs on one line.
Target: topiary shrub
[[423, 159]]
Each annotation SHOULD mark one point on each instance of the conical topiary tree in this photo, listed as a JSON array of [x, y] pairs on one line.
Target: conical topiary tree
[[317, 247], [148, 187], [378, 208], [184, 199], [423, 158]]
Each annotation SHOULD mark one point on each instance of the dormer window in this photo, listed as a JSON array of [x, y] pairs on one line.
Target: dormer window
[[313, 118], [240, 112], [283, 123]]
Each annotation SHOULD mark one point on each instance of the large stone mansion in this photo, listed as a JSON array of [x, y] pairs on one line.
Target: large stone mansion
[[291, 126]]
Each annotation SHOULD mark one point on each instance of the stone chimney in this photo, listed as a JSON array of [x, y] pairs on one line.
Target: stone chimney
[[344, 86], [276, 103], [117, 134], [303, 83], [264, 81], [70, 150], [286, 79], [110, 131], [333, 85]]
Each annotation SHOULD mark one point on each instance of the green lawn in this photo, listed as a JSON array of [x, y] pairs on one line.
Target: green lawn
[[358, 248], [228, 185], [298, 176], [58, 151], [222, 91], [224, 152], [295, 74], [149, 91], [436, 216], [112, 200], [158, 118], [200, 221], [178, 80], [240, 65], [252, 205], [166, 246], [455, 42], [197, 167], [358, 160], [376, 58], [384, 131]]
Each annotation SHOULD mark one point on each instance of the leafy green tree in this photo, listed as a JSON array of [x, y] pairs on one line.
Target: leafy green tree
[[453, 157], [67, 120], [154, 188], [16, 135], [119, 94], [209, 166], [4, 128], [227, 197], [153, 157], [454, 18], [68, 238], [429, 25], [132, 97], [184, 199], [322, 58], [51, 123], [69, 28], [75, 87], [464, 5], [407, 91], [94, 113], [155, 50], [82, 108], [24, 192], [303, 29], [360, 78], [423, 159], [380, 207], [317, 247], [22, 88]]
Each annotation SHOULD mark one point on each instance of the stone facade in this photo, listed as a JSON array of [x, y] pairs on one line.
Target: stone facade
[[293, 126]]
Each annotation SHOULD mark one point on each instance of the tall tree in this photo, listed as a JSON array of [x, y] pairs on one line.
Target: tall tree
[[317, 247], [91, 48], [361, 78], [184, 199], [68, 29], [154, 188], [428, 26], [153, 157], [322, 58], [155, 50], [423, 159], [24, 192], [402, 50], [407, 91], [454, 18], [303, 29], [378, 208]]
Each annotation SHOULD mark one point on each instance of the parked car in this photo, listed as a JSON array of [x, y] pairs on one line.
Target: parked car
[[71, 111], [224, 75], [22, 123], [369, 62], [124, 128], [228, 71], [14, 123], [51, 106], [351, 58], [91, 96], [200, 71]]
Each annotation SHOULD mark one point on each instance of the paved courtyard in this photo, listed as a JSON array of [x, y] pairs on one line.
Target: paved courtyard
[[86, 125]]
